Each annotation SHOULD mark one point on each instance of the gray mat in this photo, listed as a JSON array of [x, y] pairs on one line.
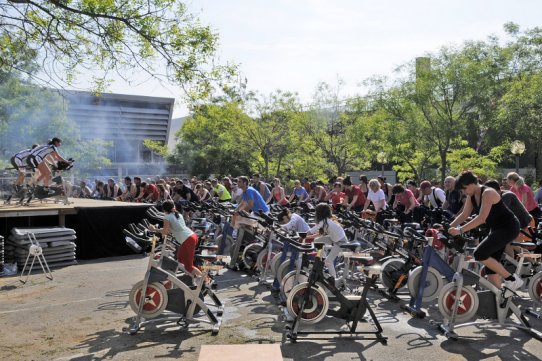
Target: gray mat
[[21, 233]]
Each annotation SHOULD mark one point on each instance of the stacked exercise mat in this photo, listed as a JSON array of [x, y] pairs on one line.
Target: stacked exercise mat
[[57, 244]]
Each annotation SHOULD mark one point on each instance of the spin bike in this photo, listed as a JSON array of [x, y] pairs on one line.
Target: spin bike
[[26, 193], [426, 281], [459, 302], [167, 290], [309, 303]]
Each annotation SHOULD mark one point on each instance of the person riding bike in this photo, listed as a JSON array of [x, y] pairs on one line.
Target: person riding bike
[[332, 232], [19, 162], [220, 191], [503, 228], [37, 157], [354, 197], [175, 225], [252, 201]]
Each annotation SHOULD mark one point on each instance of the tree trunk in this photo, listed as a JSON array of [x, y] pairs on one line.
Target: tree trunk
[[443, 163]]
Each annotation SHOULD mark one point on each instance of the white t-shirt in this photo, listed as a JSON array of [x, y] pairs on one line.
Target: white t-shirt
[[236, 195], [377, 196], [297, 223], [333, 230], [439, 193]]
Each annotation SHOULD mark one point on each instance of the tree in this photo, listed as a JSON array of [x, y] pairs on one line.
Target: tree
[[268, 131], [519, 109], [208, 143], [394, 125], [157, 38], [522, 111], [484, 166], [328, 127]]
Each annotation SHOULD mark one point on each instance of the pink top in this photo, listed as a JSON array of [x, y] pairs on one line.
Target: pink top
[[406, 198], [530, 204]]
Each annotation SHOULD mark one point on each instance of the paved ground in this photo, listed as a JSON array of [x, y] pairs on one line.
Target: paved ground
[[80, 315]]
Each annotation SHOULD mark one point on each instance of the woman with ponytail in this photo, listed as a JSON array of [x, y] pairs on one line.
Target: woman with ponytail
[[331, 230], [174, 225]]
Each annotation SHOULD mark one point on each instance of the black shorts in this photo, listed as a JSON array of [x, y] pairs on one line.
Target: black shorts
[[495, 243], [31, 161], [14, 163]]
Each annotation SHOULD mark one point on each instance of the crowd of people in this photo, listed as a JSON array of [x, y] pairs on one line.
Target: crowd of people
[[409, 199], [503, 207]]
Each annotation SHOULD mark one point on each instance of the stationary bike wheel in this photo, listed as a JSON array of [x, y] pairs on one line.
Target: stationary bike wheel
[[468, 302], [391, 271], [433, 283], [250, 255], [156, 299], [261, 261], [316, 307], [289, 282], [535, 287]]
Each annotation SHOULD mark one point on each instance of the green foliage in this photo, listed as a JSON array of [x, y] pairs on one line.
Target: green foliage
[[89, 155], [156, 146], [268, 131], [208, 142], [156, 38], [484, 166], [327, 128], [30, 114]]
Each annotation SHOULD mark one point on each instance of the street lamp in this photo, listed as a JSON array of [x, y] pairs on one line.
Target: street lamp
[[288, 169], [517, 148], [382, 159]]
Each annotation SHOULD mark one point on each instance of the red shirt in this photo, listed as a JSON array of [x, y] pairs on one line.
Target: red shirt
[[355, 191], [337, 197], [153, 190], [406, 199]]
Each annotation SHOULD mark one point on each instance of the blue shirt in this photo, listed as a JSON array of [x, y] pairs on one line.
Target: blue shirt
[[301, 193], [251, 194]]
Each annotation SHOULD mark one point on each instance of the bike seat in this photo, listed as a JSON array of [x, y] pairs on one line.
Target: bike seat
[[205, 257], [524, 244], [412, 225], [350, 246], [210, 247]]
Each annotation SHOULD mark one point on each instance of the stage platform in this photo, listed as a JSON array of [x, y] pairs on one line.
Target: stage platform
[[49, 208], [97, 223]]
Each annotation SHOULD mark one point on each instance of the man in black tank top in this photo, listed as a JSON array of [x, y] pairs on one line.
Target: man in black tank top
[[503, 226]]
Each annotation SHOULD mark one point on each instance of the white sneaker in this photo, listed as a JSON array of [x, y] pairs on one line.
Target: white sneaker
[[513, 285]]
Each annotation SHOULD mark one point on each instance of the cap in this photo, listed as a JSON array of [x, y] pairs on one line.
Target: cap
[[425, 185]]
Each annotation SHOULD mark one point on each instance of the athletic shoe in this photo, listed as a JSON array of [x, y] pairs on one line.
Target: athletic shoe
[[513, 285]]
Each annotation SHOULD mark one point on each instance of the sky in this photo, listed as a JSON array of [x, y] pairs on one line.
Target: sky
[[293, 45]]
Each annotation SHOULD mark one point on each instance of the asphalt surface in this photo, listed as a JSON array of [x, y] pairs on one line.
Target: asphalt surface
[[81, 313]]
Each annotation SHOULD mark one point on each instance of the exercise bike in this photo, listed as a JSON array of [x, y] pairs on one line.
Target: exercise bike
[[308, 303], [459, 302], [56, 190], [168, 290]]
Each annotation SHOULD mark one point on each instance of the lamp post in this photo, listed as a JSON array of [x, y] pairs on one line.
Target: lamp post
[[288, 169], [382, 159], [517, 148]]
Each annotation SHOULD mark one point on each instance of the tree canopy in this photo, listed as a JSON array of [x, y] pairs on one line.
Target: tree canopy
[[136, 40]]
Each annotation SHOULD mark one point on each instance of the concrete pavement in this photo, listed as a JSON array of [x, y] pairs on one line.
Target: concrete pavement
[[80, 315]]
